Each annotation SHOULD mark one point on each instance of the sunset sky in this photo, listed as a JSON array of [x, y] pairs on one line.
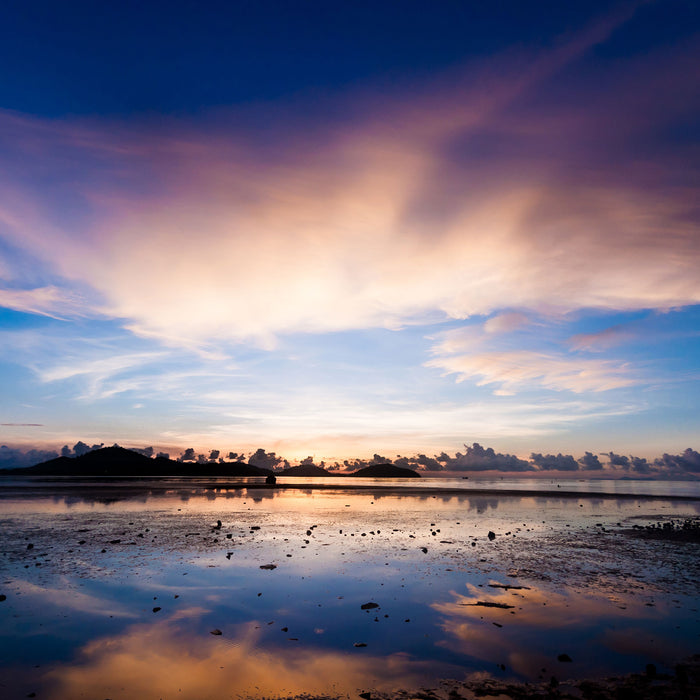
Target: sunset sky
[[341, 228]]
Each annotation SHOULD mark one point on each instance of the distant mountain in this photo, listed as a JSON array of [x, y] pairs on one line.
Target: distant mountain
[[305, 470], [386, 471], [118, 461]]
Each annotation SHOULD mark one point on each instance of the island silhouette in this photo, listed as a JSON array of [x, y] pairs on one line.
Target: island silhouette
[[118, 461]]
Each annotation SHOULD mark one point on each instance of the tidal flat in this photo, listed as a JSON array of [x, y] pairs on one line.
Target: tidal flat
[[187, 589]]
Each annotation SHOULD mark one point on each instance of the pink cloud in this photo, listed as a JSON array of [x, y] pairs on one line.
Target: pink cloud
[[198, 233]]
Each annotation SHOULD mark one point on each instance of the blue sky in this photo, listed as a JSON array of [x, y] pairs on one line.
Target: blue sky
[[345, 228]]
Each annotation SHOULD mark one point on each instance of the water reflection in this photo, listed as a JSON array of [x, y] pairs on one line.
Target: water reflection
[[529, 628], [81, 601], [170, 659]]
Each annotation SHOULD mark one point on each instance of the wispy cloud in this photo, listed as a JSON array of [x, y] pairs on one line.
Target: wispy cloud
[[49, 301], [518, 369], [602, 340], [389, 219]]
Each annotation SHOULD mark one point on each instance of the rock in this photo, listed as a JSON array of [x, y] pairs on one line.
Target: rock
[[271, 479], [490, 604], [564, 658], [369, 606], [268, 567], [216, 632], [3, 598], [424, 550], [156, 609], [366, 696], [359, 644], [492, 535], [30, 546]]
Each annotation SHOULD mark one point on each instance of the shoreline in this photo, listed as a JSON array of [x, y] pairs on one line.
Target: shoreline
[[164, 483]]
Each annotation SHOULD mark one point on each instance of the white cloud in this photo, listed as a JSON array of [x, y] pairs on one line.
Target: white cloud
[[518, 369]]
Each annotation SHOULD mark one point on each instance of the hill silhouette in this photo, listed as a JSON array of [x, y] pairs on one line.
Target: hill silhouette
[[305, 470], [118, 461], [386, 471]]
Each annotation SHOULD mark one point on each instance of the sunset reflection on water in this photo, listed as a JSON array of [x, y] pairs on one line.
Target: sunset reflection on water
[[121, 589]]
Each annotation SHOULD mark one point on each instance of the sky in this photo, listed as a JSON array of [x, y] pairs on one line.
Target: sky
[[342, 228]]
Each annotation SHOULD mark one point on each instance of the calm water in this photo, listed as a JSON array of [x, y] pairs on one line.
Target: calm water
[[124, 584]]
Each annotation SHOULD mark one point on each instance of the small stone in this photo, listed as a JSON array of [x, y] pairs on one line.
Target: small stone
[[156, 609], [564, 658], [359, 644], [492, 535], [216, 632], [268, 567], [369, 606]]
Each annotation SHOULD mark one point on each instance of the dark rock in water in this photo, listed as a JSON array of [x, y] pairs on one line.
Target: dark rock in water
[[271, 479], [285, 629], [366, 696], [156, 609], [424, 550], [369, 606], [268, 567], [216, 632], [564, 658], [30, 546], [651, 670], [492, 535], [359, 644], [3, 598], [490, 604], [218, 525]]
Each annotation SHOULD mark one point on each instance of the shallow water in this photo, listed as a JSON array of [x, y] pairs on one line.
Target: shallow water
[[80, 612]]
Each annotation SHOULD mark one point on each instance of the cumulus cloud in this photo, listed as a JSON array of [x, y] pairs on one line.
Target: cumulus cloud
[[265, 460], [13, 458], [478, 458], [559, 462], [391, 217], [590, 461], [421, 461], [686, 462], [618, 460], [145, 451], [79, 449]]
